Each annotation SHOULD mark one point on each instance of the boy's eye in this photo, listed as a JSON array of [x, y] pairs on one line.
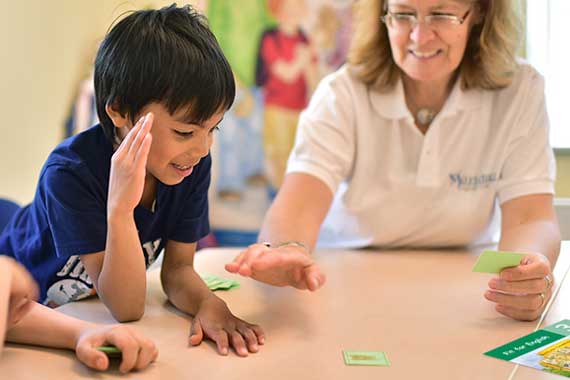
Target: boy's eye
[[184, 134], [216, 128]]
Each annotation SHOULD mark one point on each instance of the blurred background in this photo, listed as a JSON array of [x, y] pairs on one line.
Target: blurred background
[[47, 50]]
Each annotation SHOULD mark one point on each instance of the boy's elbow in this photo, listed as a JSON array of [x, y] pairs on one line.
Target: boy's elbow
[[129, 315]]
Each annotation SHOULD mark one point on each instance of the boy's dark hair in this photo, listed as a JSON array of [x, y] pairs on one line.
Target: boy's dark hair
[[168, 56]]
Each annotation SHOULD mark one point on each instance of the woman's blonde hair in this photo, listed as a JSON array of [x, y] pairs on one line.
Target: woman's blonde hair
[[489, 61]]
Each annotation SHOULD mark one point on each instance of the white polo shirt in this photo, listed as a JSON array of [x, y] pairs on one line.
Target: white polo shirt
[[395, 186]]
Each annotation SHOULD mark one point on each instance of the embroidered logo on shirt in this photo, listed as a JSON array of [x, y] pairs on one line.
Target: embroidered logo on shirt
[[470, 183]]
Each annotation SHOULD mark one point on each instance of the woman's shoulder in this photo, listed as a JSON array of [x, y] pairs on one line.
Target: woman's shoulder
[[343, 78], [525, 77]]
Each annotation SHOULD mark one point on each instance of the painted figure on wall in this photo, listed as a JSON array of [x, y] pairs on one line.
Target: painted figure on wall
[[237, 26], [287, 72]]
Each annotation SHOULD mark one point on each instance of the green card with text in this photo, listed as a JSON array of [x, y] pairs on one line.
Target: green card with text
[[547, 349], [374, 358], [496, 261]]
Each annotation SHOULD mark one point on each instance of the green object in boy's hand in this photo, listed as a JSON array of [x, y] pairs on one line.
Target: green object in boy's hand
[[110, 351], [218, 283], [496, 261]]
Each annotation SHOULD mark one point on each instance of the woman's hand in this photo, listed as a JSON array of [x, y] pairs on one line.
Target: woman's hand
[[215, 321], [522, 292], [284, 266], [137, 351], [128, 168]]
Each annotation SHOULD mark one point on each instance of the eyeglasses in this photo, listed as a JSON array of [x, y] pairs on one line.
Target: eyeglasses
[[436, 21]]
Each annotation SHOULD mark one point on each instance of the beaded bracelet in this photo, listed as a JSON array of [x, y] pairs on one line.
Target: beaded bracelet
[[290, 243]]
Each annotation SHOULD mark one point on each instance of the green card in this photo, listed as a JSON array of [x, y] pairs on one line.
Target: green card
[[110, 351], [496, 261], [218, 283], [376, 358]]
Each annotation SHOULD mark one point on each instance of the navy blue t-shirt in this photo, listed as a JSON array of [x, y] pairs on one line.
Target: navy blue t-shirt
[[68, 217]]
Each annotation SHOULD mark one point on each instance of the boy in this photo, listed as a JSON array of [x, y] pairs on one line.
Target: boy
[[31, 323], [112, 197]]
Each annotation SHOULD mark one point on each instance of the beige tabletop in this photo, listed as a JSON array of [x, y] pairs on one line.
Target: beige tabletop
[[425, 309]]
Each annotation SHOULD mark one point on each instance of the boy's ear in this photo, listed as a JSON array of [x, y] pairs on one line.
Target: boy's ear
[[118, 120]]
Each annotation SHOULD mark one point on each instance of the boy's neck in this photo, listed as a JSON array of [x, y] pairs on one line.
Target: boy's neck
[[149, 192]]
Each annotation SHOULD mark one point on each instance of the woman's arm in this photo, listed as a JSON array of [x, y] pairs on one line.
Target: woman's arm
[[528, 225], [291, 226]]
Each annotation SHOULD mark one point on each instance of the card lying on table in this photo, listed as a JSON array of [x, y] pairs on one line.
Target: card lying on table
[[375, 358], [547, 349], [496, 261], [218, 283]]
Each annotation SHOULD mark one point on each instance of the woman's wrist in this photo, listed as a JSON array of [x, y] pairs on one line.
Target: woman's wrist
[[288, 243]]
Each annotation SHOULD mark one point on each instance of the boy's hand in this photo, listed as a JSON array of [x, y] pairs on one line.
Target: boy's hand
[[215, 321], [137, 351], [23, 290], [282, 266], [128, 167]]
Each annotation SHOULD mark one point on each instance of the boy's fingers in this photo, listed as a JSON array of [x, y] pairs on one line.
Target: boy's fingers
[[147, 354], [221, 339], [238, 343], [196, 332], [125, 145], [128, 346], [92, 358], [142, 154], [140, 132], [250, 337], [258, 332]]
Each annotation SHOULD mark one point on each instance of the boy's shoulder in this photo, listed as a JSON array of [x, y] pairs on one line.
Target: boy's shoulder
[[89, 150]]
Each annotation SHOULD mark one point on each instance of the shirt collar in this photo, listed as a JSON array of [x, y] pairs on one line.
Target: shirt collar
[[391, 104]]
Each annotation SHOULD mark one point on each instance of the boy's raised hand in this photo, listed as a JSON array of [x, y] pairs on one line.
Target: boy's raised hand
[[215, 321], [137, 351], [128, 167], [23, 290]]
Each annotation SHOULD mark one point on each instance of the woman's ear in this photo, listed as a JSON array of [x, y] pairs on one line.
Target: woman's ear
[[116, 117]]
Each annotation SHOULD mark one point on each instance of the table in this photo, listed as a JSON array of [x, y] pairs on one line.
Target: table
[[425, 309]]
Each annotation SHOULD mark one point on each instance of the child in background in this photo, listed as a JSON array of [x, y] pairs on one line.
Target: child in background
[[24, 321], [110, 199]]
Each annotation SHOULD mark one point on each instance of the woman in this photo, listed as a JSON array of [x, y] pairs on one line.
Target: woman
[[433, 135]]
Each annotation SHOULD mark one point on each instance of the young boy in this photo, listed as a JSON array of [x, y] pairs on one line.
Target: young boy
[[31, 323], [111, 198]]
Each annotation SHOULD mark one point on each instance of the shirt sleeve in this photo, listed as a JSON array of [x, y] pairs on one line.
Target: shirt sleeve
[[75, 208], [269, 49], [325, 140], [530, 166], [193, 221]]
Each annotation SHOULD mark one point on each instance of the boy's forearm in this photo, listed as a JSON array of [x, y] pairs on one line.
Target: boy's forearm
[[185, 288], [42, 326], [122, 281]]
